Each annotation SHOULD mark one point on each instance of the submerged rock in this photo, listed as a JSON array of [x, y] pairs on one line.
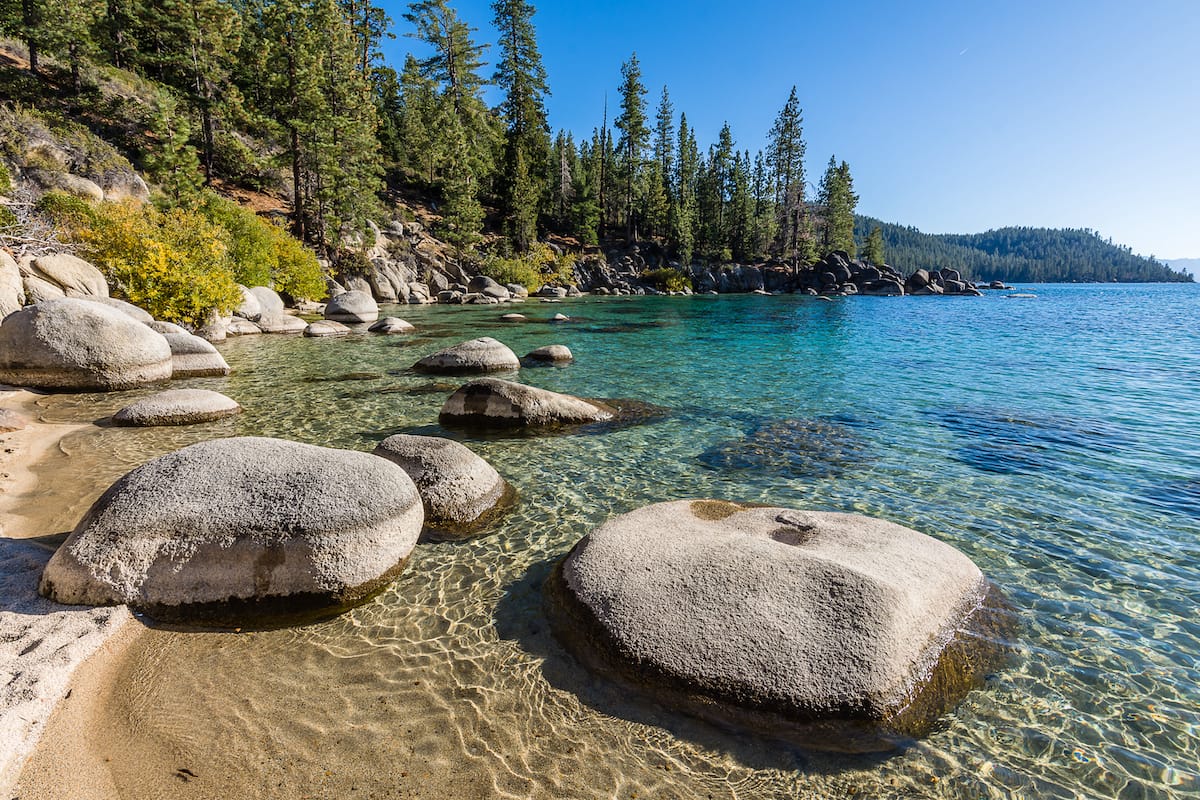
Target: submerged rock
[[193, 357], [834, 630], [490, 402], [77, 344], [795, 447], [177, 407], [484, 354], [389, 325], [241, 531], [461, 492]]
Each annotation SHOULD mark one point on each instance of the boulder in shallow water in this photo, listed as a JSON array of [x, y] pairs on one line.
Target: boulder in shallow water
[[390, 325], [242, 327], [326, 327], [281, 323], [352, 307], [835, 630], [177, 407], [193, 357], [461, 491], [241, 531], [551, 354], [490, 402], [77, 344], [484, 354]]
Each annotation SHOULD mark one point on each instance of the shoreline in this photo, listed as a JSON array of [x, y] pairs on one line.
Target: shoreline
[[42, 644]]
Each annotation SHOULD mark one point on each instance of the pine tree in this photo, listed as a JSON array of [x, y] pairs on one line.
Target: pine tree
[[764, 206], [525, 161], [873, 253], [785, 157], [634, 135], [837, 199], [741, 211], [684, 212]]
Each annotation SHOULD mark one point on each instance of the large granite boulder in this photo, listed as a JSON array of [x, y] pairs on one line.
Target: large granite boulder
[[12, 289], [481, 284], [249, 308], [352, 307], [323, 328], [484, 354], [126, 308], [280, 322], [390, 325], [462, 493], [77, 344], [166, 327], [269, 302], [177, 407], [241, 531], [69, 273], [490, 402], [836, 630], [193, 357], [551, 354], [242, 327]]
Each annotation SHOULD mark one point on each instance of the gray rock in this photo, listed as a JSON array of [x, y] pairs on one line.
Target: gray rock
[[249, 308], [326, 327], [243, 530], [177, 407], [242, 327], [268, 301], [450, 297], [460, 490], [128, 309], [164, 328], [557, 353], [517, 290], [77, 344], [193, 357], [55, 181], [560, 318], [478, 355], [779, 617], [392, 325], [120, 185], [352, 307], [489, 402], [70, 274], [481, 284], [281, 323], [513, 318]]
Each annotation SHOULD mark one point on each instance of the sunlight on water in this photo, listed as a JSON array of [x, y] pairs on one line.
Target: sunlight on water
[[1051, 440]]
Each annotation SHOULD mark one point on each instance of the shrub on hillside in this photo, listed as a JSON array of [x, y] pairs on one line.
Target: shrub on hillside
[[667, 279], [65, 212], [174, 264], [535, 269]]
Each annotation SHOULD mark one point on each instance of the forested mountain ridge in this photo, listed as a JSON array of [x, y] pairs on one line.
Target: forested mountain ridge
[[1019, 255]]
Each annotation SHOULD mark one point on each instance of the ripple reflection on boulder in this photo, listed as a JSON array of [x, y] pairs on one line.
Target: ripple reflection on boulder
[[819, 447]]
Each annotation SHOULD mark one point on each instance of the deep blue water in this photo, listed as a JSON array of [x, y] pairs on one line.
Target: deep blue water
[[1052, 439]]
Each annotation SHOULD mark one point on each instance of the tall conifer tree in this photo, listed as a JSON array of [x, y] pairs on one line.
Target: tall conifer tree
[[634, 135]]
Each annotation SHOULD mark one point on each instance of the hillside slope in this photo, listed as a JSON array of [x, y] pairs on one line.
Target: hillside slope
[[1025, 255]]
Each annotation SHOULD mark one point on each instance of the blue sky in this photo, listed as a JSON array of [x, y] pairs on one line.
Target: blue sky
[[954, 116]]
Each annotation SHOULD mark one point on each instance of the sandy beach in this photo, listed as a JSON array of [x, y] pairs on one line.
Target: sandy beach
[[42, 644]]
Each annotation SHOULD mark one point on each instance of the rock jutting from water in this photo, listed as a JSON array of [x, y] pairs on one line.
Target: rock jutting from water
[[551, 354], [352, 307], [324, 328], [241, 531], [462, 493], [77, 344], [193, 357], [491, 402], [484, 354], [836, 631], [390, 325], [280, 322], [177, 407]]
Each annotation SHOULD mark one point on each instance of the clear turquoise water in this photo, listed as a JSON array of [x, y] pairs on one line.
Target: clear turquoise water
[[1051, 439]]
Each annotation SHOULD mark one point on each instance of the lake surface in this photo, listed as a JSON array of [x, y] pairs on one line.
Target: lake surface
[[1053, 440]]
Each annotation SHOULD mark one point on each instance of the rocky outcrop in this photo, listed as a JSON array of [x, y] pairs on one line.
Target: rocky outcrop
[[461, 492], [490, 402], [177, 407], [241, 531], [77, 344], [390, 325], [484, 354], [325, 327], [551, 354], [352, 307], [193, 357], [836, 630]]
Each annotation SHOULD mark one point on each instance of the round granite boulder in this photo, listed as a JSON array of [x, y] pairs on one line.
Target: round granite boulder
[[353, 307], [325, 327], [177, 407], [280, 323], [269, 301], [140, 314], [389, 325], [490, 402], [478, 355], [551, 354], [462, 493], [164, 328], [835, 630], [77, 344], [193, 357], [242, 327], [249, 308], [241, 531]]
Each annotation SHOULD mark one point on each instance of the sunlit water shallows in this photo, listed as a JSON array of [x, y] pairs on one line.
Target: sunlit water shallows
[[1051, 439]]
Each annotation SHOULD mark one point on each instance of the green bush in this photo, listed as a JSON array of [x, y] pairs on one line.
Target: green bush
[[667, 279], [533, 270], [7, 218], [65, 212], [6, 181]]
